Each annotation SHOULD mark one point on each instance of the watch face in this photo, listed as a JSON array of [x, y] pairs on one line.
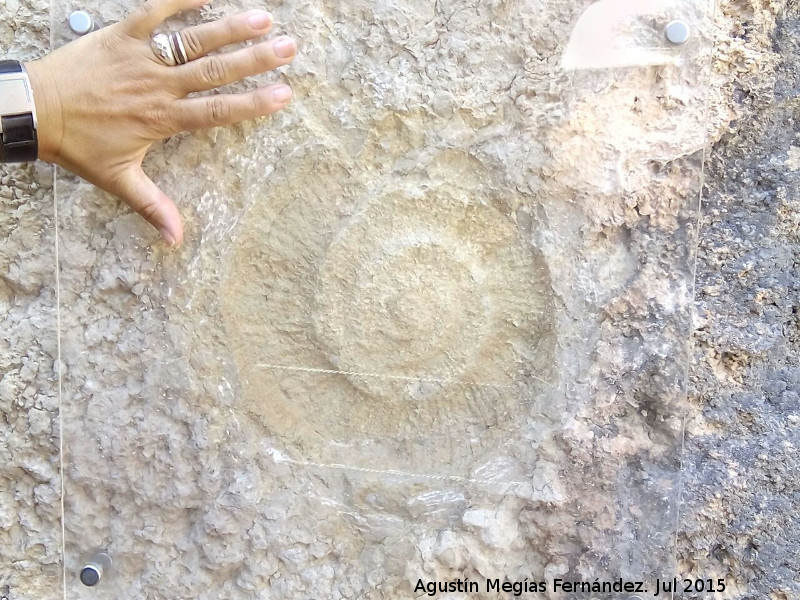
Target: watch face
[[16, 98]]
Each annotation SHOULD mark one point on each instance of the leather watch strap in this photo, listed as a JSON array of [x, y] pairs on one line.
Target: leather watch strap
[[20, 143], [10, 66]]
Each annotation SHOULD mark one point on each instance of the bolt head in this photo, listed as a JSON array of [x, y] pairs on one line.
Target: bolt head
[[90, 577], [81, 22], [678, 32]]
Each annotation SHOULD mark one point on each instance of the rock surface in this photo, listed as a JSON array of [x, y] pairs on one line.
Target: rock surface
[[742, 491], [174, 460]]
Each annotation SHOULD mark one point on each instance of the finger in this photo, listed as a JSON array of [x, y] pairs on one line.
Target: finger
[[227, 109], [203, 39], [221, 69], [144, 196], [144, 20]]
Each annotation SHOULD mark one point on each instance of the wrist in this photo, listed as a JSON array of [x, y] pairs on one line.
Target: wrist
[[50, 128]]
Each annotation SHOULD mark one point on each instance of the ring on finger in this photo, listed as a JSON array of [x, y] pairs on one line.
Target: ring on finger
[[169, 48], [176, 41], [162, 48]]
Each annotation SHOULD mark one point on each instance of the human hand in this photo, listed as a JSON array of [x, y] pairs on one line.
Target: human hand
[[104, 99]]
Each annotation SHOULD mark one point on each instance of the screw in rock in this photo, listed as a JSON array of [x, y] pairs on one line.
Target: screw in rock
[[81, 22], [677, 32], [92, 572]]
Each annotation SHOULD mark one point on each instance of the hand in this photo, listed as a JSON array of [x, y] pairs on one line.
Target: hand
[[104, 99]]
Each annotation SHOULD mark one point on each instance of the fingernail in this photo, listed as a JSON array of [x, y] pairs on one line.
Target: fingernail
[[285, 47], [168, 238], [260, 20], [282, 94]]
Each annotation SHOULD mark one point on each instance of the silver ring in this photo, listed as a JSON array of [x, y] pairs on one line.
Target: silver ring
[[178, 48], [162, 48]]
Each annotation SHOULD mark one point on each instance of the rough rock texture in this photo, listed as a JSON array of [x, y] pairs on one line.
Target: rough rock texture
[[211, 396], [30, 488], [742, 471]]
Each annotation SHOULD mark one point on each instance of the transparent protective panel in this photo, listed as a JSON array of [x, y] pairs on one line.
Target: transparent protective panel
[[429, 324]]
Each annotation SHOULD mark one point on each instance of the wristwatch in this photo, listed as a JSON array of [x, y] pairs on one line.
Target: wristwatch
[[18, 139]]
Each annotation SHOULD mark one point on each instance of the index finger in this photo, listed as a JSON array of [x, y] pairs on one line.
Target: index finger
[[144, 20]]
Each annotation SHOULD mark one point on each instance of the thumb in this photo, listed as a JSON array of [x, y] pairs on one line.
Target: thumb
[[144, 196]]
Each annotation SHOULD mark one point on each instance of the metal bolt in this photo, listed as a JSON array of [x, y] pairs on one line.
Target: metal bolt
[[81, 22], [92, 573], [678, 32]]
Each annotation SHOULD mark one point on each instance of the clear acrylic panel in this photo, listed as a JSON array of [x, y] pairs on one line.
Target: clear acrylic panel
[[430, 323]]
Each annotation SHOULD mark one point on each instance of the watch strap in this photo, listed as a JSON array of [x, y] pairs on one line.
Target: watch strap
[[20, 142], [10, 66]]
